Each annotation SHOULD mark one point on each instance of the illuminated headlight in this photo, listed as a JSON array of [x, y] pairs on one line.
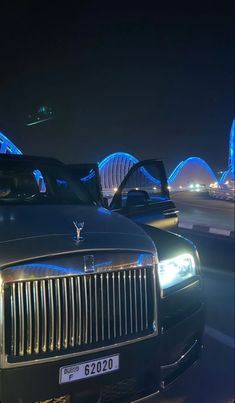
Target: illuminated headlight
[[174, 271]]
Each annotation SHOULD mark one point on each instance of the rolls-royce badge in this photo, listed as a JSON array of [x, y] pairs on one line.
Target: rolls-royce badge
[[89, 264], [79, 227]]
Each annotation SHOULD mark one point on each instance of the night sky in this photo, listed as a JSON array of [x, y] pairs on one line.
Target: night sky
[[155, 79]]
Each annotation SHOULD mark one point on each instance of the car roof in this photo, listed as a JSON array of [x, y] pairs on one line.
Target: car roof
[[29, 158]]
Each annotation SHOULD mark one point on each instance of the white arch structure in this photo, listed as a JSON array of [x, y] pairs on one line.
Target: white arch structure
[[114, 168]]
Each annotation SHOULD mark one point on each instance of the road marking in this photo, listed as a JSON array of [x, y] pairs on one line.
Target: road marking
[[219, 231], [185, 225], [203, 206], [206, 229], [221, 337]]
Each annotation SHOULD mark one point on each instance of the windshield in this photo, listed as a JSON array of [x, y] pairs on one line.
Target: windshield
[[23, 182]]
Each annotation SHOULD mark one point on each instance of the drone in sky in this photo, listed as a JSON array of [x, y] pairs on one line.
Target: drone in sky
[[43, 114]]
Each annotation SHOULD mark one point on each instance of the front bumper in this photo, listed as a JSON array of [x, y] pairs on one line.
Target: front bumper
[[184, 353], [146, 368], [138, 376]]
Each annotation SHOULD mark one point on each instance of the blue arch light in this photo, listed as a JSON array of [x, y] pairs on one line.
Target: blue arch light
[[114, 167], [192, 160], [228, 175], [175, 171], [7, 147], [118, 164], [113, 156]]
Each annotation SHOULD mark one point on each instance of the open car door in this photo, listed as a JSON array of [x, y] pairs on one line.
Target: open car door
[[88, 175], [143, 196]]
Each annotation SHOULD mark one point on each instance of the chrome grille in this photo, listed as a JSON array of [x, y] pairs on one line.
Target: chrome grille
[[76, 313]]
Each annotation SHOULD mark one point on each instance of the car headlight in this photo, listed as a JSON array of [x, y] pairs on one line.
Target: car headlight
[[174, 271]]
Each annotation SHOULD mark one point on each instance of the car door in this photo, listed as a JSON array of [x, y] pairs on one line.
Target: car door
[[143, 196]]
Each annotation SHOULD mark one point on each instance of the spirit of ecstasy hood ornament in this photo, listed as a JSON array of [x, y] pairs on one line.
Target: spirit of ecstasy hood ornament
[[79, 227]]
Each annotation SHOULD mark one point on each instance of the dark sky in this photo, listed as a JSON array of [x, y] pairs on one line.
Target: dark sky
[[155, 79]]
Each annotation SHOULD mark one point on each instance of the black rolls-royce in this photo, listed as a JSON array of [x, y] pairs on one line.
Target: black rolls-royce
[[93, 306]]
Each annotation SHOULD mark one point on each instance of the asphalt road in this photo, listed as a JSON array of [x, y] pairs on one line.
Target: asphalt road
[[199, 208], [212, 380]]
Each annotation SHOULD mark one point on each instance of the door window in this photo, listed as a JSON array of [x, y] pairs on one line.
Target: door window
[[144, 185]]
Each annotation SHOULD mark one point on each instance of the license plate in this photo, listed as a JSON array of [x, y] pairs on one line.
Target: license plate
[[88, 369]]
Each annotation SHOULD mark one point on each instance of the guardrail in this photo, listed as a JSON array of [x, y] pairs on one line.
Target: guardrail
[[222, 193]]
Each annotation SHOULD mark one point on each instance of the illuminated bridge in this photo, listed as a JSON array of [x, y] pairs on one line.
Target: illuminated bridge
[[192, 171], [188, 173]]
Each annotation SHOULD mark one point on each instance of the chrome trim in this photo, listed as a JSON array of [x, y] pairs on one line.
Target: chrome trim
[[119, 304], [79, 322], [44, 315], [168, 213], [96, 311], [130, 296], [141, 301], [21, 318], [28, 317], [146, 299], [114, 308], [58, 310], [146, 398], [154, 273], [102, 303], [71, 252], [135, 296], [86, 310], [65, 312], [90, 309], [72, 313], [180, 287], [6, 364], [36, 315], [125, 301], [183, 356], [104, 262], [13, 307], [108, 304], [51, 316]]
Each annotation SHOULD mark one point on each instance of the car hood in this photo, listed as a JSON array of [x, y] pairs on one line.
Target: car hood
[[28, 232]]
